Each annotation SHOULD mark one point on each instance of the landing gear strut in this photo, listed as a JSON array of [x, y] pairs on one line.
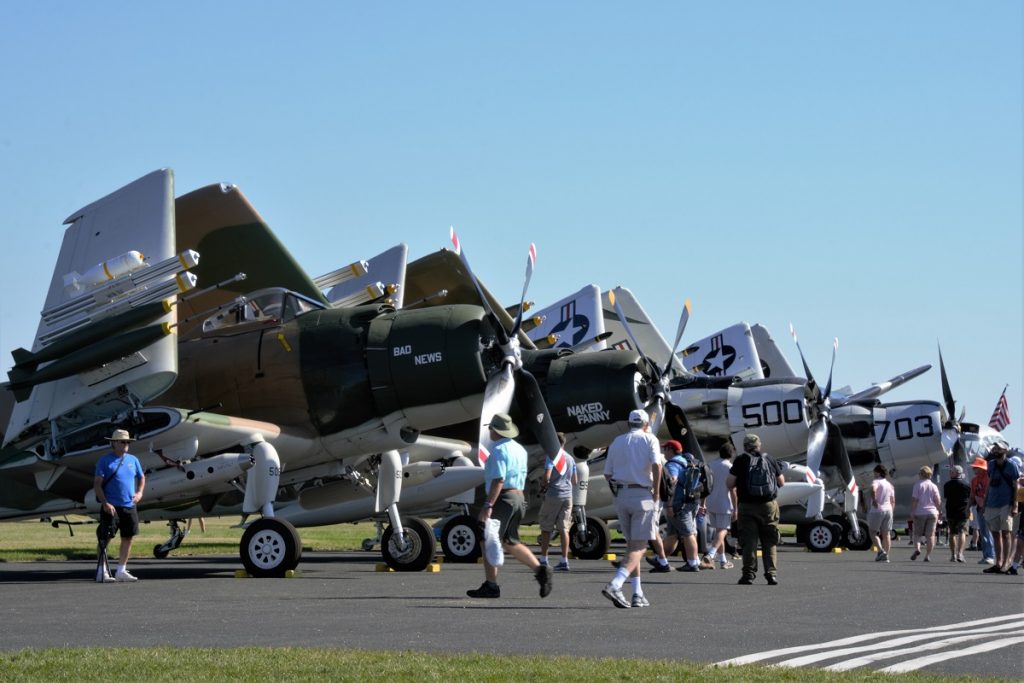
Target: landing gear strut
[[162, 550]]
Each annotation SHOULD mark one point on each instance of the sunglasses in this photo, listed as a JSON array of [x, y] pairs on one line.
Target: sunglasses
[[124, 442]]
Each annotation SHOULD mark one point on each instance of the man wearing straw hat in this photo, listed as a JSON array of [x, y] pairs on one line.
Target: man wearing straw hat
[[504, 479], [119, 484]]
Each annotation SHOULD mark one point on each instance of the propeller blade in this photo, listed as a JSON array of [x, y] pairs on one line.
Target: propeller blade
[[534, 410], [947, 395], [629, 331], [877, 390], [684, 317], [816, 437], [497, 399], [839, 457], [531, 260], [498, 327], [813, 390], [656, 409], [949, 438], [828, 385], [679, 427]]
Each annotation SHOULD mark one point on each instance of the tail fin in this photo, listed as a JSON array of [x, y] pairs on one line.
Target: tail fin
[[23, 358]]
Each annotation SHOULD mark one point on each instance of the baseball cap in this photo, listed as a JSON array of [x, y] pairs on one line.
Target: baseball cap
[[750, 440], [957, 471], [674, 445], [638, 417]]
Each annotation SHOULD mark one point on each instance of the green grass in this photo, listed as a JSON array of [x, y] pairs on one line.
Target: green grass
[[301, 664], [33, 540]]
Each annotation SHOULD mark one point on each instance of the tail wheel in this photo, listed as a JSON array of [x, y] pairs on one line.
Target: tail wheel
[[270, 547], [420, 551], [592, 544], [460, 539]]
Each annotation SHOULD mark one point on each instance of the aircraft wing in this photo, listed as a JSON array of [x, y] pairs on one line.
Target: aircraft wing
[[107, 245], [382, 276], [647, 335], [572, 320], [773, 361], [220, 223], [729, 352]]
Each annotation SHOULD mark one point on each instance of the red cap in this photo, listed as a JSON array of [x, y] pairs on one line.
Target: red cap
[[674, 445]]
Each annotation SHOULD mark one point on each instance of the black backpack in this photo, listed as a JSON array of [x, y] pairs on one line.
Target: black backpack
[[761, 479]]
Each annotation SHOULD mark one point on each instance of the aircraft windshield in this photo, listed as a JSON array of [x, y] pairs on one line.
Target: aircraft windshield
[[266, 305]]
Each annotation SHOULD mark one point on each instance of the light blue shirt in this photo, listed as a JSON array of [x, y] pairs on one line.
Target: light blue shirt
[[120, 489], [508, 462]]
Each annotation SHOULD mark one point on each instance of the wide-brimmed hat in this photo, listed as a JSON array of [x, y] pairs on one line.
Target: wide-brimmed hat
[[120, 435], [503, 425], [979, 464]]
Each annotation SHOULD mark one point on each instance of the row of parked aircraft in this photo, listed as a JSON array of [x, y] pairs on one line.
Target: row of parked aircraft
[[255, 389]]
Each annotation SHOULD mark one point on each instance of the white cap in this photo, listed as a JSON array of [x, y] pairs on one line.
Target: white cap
[[638, 417]]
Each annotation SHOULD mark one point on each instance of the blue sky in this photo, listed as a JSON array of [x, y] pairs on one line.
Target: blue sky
[[856, 170]]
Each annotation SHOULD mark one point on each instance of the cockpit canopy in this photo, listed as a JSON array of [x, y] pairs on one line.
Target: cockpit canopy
[[274, 304]]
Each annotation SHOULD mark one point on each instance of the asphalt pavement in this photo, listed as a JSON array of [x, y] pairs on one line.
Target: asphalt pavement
[[830, 610]]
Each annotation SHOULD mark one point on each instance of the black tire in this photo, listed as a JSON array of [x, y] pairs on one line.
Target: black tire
[[270, 547], [421, 547], [460, 539], [822, 536], [594, 544], [861, 540], [161, 551]]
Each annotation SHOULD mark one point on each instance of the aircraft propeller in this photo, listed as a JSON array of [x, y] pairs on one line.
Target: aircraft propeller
[[661, 396], [512, 381], [951, 431], [823, 437]]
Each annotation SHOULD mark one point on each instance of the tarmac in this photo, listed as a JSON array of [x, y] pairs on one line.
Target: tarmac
[[830, 610]]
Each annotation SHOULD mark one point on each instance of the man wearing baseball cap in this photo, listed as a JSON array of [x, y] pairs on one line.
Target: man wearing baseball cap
[[118, 484], [633, 471]]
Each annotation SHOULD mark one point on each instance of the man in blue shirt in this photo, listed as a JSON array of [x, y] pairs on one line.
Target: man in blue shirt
[[1001, 505], [118, 485], [504, 479], [556, 509]]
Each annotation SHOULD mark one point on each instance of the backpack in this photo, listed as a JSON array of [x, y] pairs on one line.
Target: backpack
[[761, 480], [667, 484], [693, 484]]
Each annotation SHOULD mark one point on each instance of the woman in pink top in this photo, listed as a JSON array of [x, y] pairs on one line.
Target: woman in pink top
[[924, 506], [883, 497]]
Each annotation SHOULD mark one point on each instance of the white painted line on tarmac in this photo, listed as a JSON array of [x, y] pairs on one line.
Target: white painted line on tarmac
[[769, 654], [920, 662]]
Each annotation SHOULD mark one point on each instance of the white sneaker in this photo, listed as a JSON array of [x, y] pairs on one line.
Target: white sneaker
[[125, 577], [107, 578], [639, 601]]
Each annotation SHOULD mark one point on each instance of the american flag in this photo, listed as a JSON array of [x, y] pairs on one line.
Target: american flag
[[1001, 415]]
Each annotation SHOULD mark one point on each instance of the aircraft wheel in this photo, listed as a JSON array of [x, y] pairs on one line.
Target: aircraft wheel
[[420, 552], [592, 545], [270, 547], [822, 536], [368, 544], [460, 539], [861, 540], [161, 551]]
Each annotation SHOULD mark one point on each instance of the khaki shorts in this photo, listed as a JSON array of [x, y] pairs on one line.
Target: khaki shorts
[[924, 525], [638, 515], [880, 522], [999, 519], [555, 513]]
